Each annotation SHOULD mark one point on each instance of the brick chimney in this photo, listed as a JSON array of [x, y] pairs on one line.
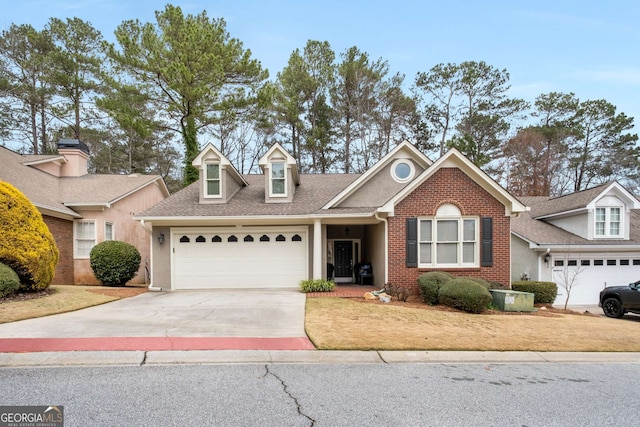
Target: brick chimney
[[76, 153]]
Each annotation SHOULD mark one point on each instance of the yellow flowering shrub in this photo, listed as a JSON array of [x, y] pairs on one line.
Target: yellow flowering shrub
[[26, 244]]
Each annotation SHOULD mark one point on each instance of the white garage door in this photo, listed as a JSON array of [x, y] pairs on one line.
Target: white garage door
[[213, 258], [590, 274]]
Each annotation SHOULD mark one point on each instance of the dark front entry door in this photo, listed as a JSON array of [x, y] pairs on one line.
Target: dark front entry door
[[343, 254]]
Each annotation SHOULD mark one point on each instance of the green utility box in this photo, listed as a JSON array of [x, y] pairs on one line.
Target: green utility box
[[507, 300]]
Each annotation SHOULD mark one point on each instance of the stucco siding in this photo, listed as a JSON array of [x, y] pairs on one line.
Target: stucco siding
[[125, 229], [523, 260], [576, 224], [378, 190]]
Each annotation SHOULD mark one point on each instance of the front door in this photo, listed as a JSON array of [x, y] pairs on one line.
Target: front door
[[343, 259]]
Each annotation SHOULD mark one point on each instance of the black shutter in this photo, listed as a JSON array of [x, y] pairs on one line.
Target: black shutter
[[487, 242], [412, 242]]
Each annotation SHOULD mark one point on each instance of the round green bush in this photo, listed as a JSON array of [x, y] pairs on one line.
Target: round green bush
[[114, 263], [26, 245], [480, 281], [9, 281], [543, 292], [465, 294], [430, 283]]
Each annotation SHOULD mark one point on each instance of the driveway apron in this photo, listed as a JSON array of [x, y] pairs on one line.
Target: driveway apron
[[210, 319]]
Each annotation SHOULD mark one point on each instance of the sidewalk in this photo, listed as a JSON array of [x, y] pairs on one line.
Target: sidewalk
[[204, 357]]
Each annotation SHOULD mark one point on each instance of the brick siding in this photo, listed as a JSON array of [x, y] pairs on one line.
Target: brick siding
[[449, 185], [62, 231]]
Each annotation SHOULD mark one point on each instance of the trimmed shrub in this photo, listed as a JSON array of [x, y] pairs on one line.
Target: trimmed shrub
[[480, 281], [114, 263], [497, 285], [465, 294], [9, 281], [430, 283], [318, 285], [27, 246], [544, 292]]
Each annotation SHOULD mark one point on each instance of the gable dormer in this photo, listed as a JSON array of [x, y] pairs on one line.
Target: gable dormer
[[281, 175], [599, 213], [610, 213], [218, 179]]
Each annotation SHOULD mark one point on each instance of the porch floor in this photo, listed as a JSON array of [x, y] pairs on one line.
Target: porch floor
[[347, 290]]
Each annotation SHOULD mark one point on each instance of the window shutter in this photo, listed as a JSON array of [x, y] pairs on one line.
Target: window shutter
[[412, 242], [487, 242]]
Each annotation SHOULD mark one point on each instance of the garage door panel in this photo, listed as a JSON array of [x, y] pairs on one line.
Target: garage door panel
[[591, 279], [240, 264]]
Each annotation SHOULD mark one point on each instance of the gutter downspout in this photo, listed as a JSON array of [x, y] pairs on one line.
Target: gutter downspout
[[386, 246]]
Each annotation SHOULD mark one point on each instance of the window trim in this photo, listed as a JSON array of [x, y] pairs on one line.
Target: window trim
[[607, 222], [207, 180], [272, 178], [113, 233], [394, 175], [459, 243], [76, 239]]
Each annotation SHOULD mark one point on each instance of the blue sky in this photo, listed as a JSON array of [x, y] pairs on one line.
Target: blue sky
[[590, 48]]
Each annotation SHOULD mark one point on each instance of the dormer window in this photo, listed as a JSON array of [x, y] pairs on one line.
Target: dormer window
[[608, 222], [278, 179], [212, 180]]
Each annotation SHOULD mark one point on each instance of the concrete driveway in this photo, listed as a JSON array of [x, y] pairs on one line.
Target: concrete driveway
[[210, 313]]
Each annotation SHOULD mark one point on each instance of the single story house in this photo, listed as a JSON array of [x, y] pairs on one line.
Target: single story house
[[582, 241], [404, 216], [83, 209]]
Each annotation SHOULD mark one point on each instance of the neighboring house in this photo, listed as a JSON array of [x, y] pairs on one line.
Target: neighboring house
[[404, 216], [586, 240], [83, 209]]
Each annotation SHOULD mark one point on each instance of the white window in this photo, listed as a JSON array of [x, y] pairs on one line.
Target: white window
[[212, 180], [278, 179], [448, 239], [108, 231], [84, 238], [608, 222]]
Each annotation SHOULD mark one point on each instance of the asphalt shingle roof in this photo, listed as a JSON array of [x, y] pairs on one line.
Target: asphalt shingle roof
[[544, 233], [48, 191], [315, 191]]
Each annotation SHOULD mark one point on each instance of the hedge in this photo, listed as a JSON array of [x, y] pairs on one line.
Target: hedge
[[318, 285], [465, 294], [544, 292], [430, 283]]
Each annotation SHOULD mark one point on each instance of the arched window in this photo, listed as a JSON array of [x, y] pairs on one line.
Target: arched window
[[448, 239]]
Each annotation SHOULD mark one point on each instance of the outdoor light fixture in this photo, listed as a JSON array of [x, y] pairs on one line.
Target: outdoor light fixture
[[161, 238], [347, 231], [547, 258]]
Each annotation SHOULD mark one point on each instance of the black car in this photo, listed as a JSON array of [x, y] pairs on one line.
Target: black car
[[618, 300]]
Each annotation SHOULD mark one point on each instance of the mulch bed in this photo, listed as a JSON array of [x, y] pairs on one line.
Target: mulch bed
[[121, 292], [414, 301], [24, 296]]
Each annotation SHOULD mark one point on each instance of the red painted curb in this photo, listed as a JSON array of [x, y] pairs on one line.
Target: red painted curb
[[32, 345]]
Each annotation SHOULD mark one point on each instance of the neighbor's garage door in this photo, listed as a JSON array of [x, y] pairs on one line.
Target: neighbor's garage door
[[591, 274], [208, 259]]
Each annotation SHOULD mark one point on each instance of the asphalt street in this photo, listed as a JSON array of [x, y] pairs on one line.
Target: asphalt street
[[415, 394]]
